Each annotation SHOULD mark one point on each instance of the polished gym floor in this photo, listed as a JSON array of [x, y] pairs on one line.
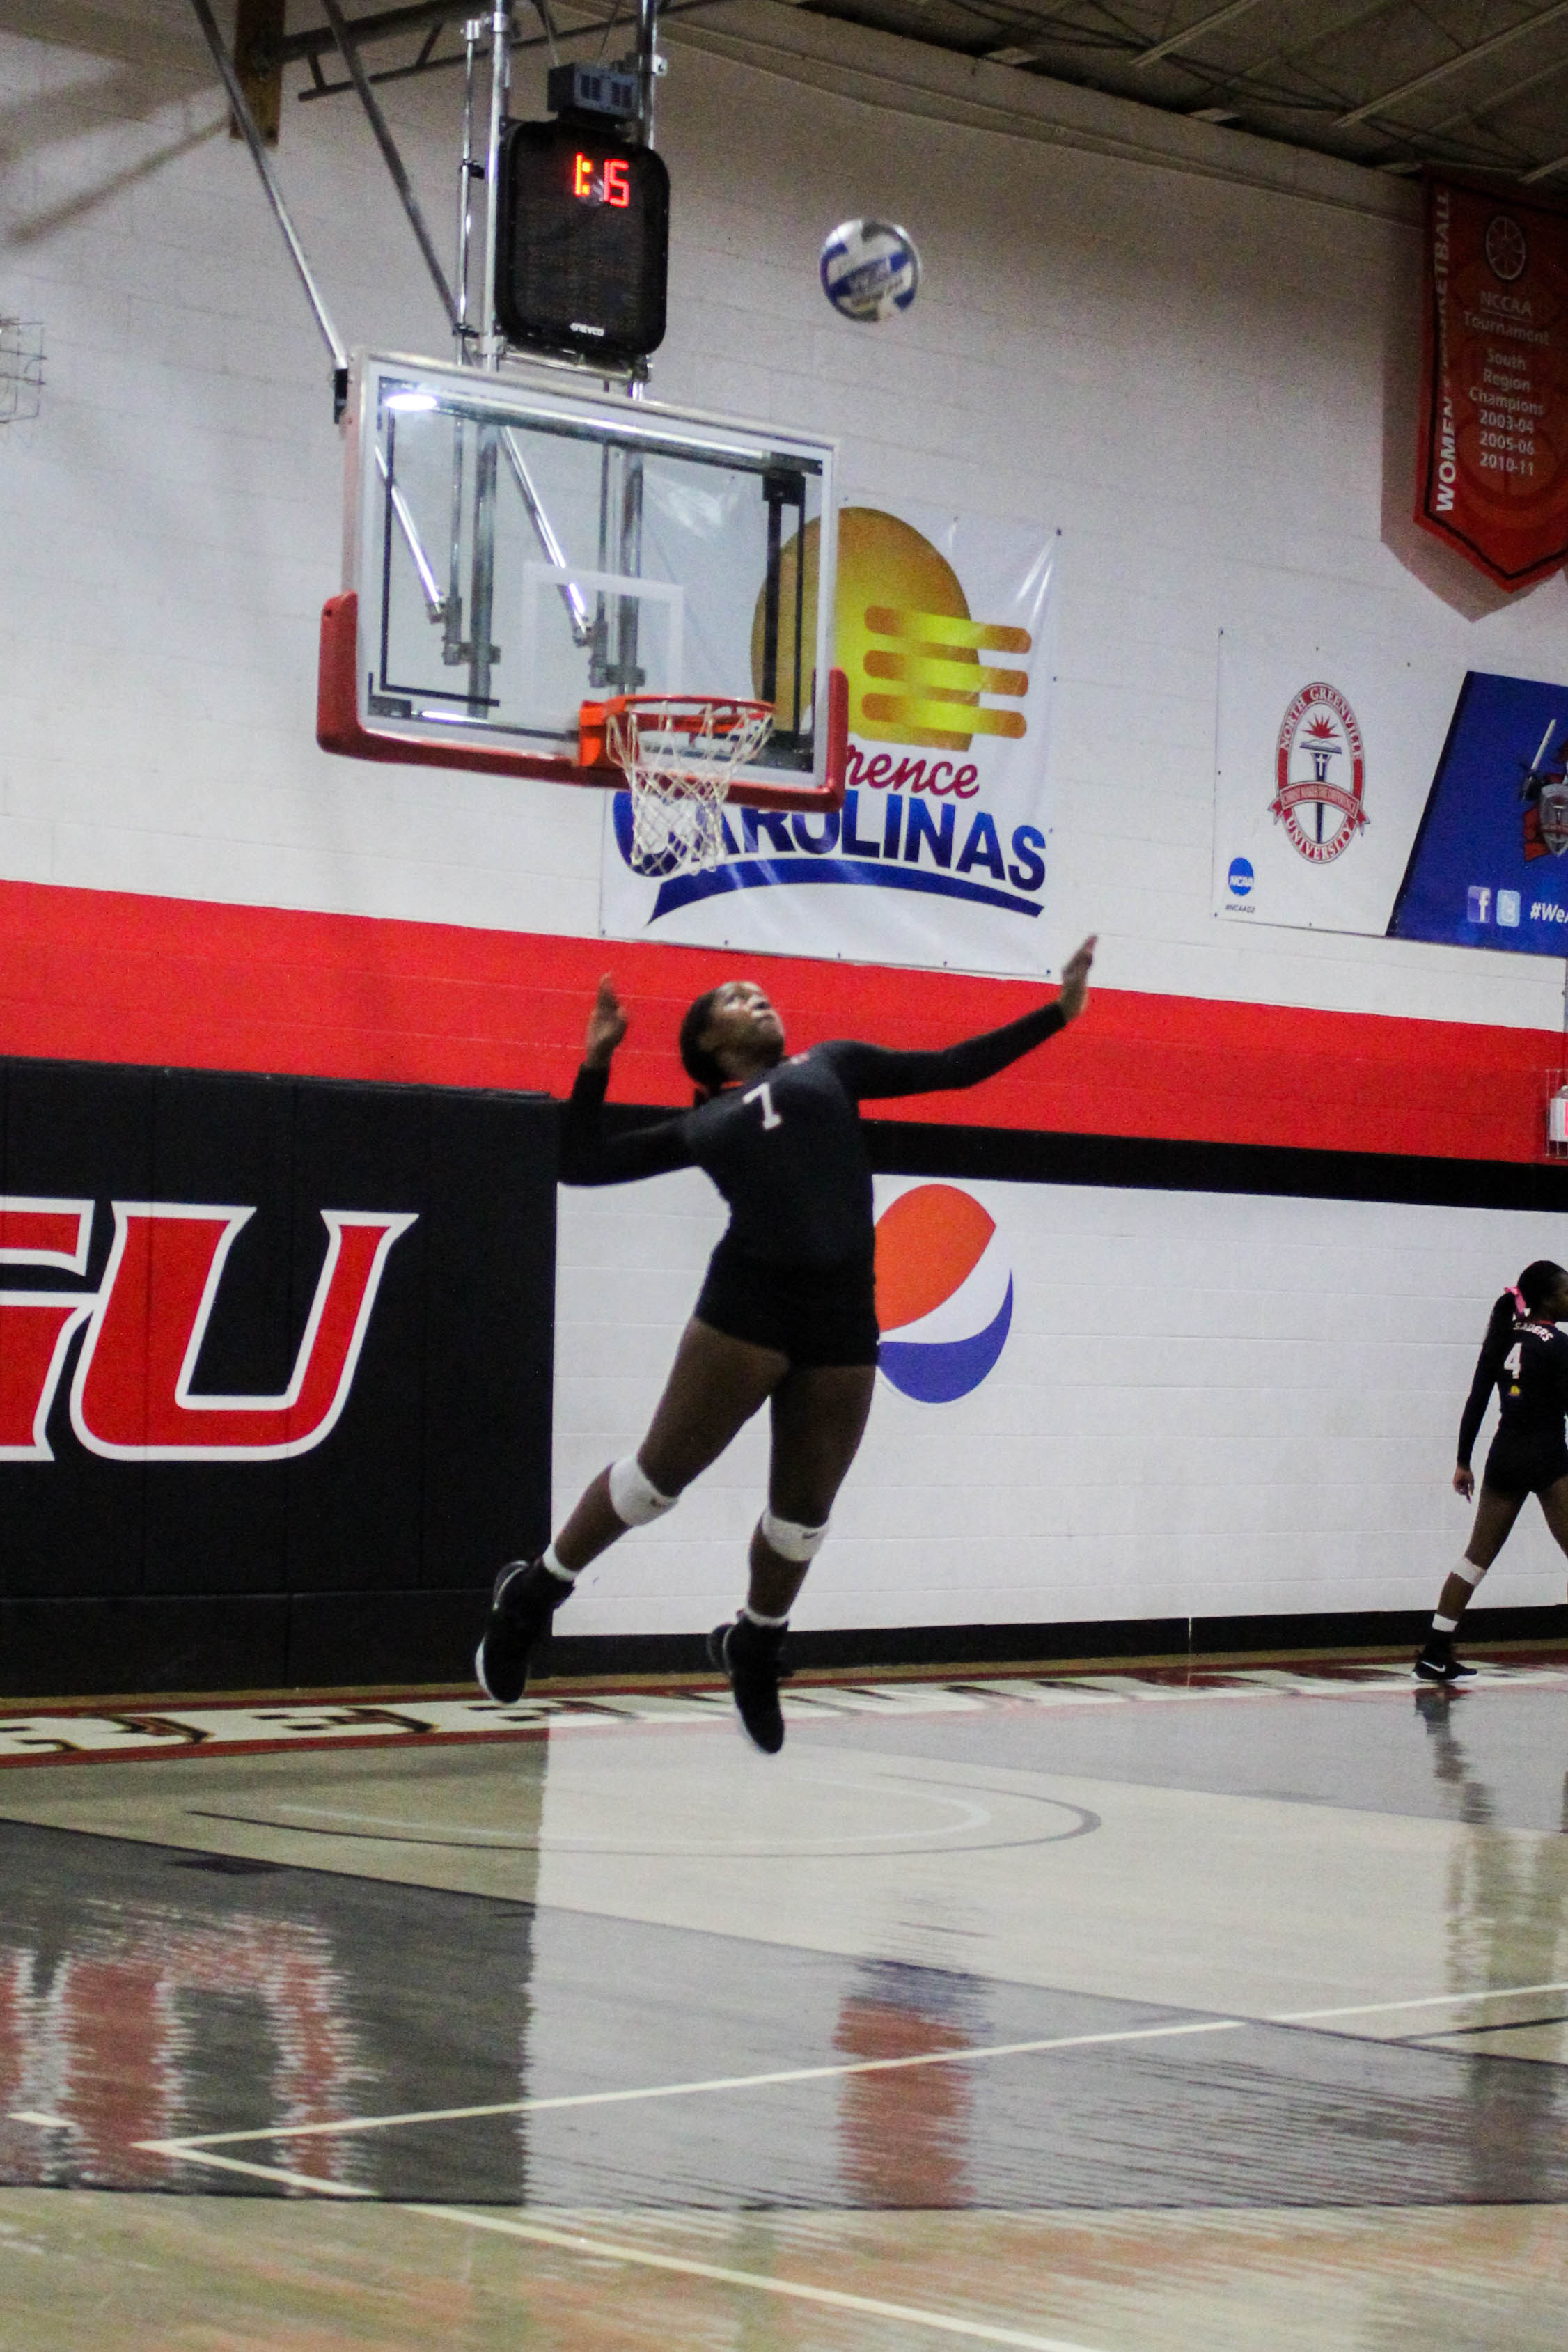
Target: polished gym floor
[[1111, 2012]]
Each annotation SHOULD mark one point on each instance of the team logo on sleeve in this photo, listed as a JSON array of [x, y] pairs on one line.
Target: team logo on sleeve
[[1320, 774], [945, 1293]]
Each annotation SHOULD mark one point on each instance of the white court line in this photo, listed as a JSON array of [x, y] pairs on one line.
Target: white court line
[[607, 2250], [45, 2122], [259, 2171], [687, 2090], [201, 2152], [975, 2331], [1428, 2001], [353, 2125]]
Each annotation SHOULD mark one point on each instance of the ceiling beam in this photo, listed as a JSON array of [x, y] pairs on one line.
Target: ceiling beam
[[1191, 32], [1453, 65], [296, 48], [1245, 76], [1491, 102]]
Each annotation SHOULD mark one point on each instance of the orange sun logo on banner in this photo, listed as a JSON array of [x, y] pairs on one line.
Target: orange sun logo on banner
[[904, 636]]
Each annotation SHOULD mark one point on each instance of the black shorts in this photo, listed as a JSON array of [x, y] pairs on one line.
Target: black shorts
[[814, 1315], [1518, 1465]]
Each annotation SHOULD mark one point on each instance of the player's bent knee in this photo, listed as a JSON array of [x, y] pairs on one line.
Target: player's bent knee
[[634, 1498], [1468, 1573], [789, 1539]]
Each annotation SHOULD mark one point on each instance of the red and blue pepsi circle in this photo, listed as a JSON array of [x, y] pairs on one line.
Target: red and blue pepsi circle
[[945, 1293]]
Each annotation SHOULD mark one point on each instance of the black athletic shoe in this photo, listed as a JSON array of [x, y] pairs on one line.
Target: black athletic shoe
[[1437, 1664], [749, 1655], [526, 1597]]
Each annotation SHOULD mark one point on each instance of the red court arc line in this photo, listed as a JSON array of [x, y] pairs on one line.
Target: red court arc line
[[118, 976]]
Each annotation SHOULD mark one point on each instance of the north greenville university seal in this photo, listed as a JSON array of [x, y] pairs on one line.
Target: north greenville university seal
[[1320, 774]]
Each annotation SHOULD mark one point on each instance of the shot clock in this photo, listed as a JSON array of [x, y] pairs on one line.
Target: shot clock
[[584, 240]]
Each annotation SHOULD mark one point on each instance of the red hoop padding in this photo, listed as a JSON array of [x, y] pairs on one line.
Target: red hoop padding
[[338, 727]]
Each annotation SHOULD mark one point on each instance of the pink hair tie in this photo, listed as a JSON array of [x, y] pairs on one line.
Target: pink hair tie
[[1518, 1299]]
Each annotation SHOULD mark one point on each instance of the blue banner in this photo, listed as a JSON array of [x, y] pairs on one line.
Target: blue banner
[[1488, 866]]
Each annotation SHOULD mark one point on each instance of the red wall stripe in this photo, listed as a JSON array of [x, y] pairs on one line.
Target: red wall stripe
[[106, 976]]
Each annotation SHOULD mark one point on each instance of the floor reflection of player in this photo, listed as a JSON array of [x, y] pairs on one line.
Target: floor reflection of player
[[787, 1313], [1506, 1928], [1525, 1358]]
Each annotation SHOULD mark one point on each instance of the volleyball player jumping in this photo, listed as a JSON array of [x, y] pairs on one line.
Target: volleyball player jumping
[[1525, 1358], [787, 1313]]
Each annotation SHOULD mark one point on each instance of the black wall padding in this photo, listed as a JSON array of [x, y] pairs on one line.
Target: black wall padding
[[369, 1557]]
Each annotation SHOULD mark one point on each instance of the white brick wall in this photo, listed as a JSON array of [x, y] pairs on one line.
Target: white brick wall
[[1207, 1405], [1186, 372]]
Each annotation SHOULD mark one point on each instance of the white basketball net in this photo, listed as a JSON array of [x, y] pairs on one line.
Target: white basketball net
[[679, 753]]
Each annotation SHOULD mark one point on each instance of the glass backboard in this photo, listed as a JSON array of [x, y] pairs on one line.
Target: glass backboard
[[515, 550]]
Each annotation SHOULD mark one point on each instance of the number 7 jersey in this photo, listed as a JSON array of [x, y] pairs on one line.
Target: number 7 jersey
[[785, 1149]]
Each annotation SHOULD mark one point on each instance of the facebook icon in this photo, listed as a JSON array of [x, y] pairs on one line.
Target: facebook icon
[[1478, 903]]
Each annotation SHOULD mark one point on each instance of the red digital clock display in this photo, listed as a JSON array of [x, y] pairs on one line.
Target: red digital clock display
[[603, 180]]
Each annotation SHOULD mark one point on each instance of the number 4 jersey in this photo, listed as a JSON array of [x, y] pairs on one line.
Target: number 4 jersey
[[1526, 1361]]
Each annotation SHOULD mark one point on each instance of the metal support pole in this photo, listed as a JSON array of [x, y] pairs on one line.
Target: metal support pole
[[631, 676], [482, 579], [599, 661], [467, 174], [647, 54], [429, 586], [501, 40], [389, 154], [545, 532], [259, 156], [452, 636]]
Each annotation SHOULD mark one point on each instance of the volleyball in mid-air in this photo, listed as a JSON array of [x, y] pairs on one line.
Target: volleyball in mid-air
[[869, 269]]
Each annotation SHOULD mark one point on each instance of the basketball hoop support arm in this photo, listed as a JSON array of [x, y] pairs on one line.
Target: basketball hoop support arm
[[378, 123], [240, 106]]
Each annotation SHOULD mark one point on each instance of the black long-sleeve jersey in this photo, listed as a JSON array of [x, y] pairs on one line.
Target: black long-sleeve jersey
[[1526, 1361], [786, 1150]]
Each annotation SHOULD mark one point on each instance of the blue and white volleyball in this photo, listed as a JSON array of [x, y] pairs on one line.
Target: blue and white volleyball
[[870, 269]]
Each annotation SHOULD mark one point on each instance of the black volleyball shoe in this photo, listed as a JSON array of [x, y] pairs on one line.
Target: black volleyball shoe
[[1437, 1664], [526, 1597], [749, 1656]]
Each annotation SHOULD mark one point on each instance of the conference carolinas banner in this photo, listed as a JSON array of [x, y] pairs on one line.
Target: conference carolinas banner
[[1360, 787], [939, 855], [1492, 474]]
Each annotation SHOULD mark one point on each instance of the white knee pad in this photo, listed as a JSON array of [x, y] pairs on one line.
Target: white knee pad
[[789, 1539], [1468, 1573], [634, 1498]]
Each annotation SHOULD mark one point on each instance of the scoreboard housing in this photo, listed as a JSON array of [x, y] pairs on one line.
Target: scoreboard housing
[[583, 253]]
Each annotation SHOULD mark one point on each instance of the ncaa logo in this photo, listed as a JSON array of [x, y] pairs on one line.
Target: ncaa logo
[[945, 1293]]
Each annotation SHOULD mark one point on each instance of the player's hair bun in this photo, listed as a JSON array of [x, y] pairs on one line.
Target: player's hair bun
[[1535, 1284], [699, 1067]]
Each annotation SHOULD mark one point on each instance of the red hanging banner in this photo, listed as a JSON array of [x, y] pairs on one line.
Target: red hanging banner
[[1492, 477]]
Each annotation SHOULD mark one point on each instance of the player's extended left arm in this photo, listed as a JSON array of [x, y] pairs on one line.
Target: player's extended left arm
[[880, 1072]]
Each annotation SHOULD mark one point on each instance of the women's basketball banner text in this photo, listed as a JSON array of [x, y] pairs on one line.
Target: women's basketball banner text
[[1492, 475]]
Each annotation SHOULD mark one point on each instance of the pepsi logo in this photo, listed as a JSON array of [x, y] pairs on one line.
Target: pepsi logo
[[945, 1293]]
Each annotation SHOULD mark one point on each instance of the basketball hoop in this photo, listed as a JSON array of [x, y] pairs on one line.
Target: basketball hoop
[[679, 753]]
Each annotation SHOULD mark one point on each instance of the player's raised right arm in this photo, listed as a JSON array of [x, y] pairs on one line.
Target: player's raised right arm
[[873, 1072]]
